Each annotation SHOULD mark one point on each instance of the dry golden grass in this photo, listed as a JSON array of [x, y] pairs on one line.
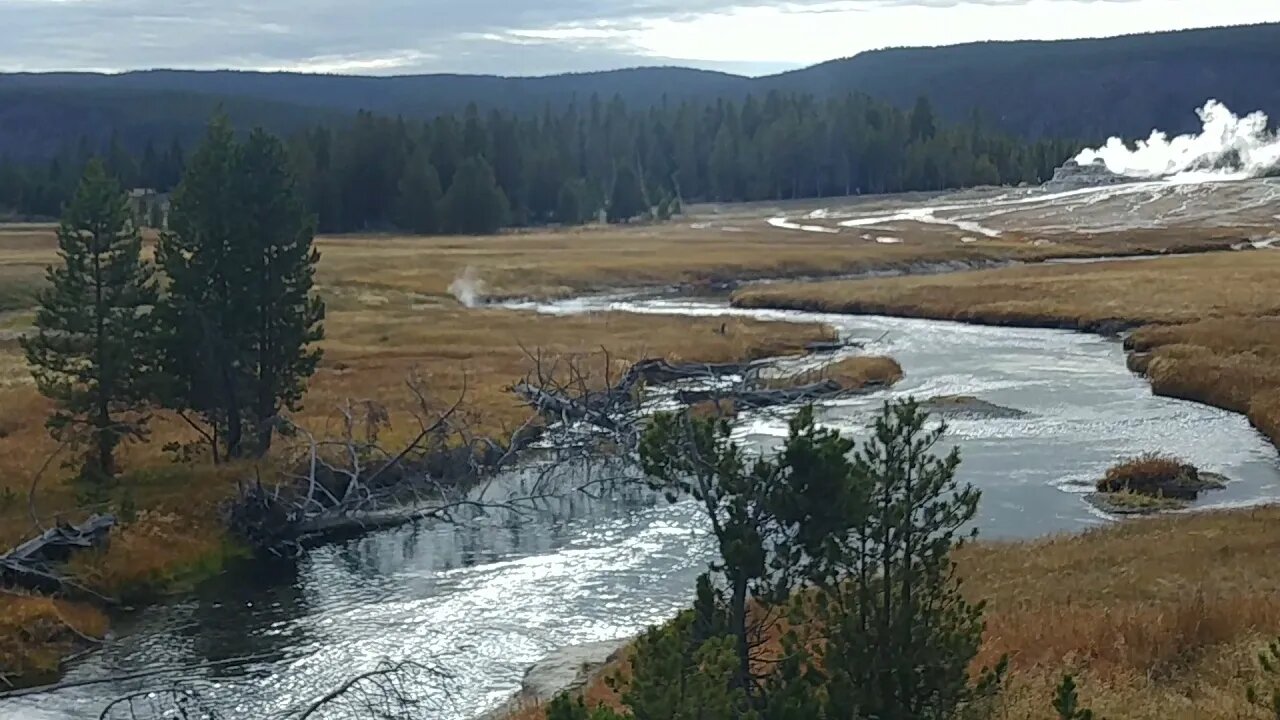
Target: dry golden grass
[[1211, 323], [37, 632], [558, 263], [1161, 619], [850, 374], [858, 372], [1164, 290], [1143, 475]]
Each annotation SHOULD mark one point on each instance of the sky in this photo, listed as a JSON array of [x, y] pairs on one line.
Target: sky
[[535, 37]]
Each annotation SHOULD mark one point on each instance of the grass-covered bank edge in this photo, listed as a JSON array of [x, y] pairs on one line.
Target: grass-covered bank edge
[[1200, 329]]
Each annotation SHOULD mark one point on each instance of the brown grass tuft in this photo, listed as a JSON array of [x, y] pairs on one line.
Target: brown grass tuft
[[36, 632], [859, 372], [1144, 475], [851, 374]]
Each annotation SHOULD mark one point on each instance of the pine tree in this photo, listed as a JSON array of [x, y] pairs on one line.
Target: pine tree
[[202, 312], [286, 319], [923, 124], [772, 519], [418, 204], [474, 205], [1066, 702], [627, 199], [724, 168], [572, 209], [90, 352], [902, 636], [239, 316]]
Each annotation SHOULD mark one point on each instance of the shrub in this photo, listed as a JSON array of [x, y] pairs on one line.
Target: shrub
[[851, 374], [1150, 474], [1067, 702], [1269, 661]]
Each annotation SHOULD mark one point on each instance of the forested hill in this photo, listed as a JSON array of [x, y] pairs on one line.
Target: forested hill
[[1087, 89], [1078, 88]]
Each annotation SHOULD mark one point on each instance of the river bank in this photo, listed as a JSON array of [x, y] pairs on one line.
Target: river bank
[[1201, 329], [1159, 618]]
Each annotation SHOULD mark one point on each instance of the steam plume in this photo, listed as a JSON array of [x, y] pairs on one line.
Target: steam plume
[[1227, 146], [468, 288]]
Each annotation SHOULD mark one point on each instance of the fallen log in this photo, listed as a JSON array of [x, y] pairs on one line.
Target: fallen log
[[57, 543], [29, 565], [556, 405], [831, 346], [757, 398], [660, 371]]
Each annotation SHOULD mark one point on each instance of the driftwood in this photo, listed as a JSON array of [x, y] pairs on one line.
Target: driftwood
[[349, 484], [30, 564], [616, 409], [660, 371], [830, 346], [757, 398], [557, 405]]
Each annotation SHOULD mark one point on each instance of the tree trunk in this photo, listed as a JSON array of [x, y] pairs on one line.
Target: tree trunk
[[738, 625], [104, 461]]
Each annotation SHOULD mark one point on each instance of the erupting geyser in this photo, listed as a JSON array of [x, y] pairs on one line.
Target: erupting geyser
[[1227, 147]]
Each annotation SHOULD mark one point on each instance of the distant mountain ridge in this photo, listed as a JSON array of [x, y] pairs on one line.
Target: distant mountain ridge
[[1074, 88]]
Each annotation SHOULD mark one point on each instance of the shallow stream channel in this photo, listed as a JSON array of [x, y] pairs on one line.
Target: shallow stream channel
[[483, 601]]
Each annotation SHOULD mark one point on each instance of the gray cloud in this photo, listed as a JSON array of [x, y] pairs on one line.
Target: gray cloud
[[364, 36], [374, 35]]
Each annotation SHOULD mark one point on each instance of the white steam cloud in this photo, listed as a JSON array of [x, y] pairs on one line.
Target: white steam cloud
[[468, 288], [1227, 146]]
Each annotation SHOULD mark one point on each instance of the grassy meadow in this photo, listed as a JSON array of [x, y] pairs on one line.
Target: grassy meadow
[[1161, 615]]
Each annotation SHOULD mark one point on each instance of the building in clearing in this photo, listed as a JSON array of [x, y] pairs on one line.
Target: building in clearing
[[150, 208]]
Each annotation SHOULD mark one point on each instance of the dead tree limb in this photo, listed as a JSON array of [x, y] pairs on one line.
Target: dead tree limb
[[392, 690]]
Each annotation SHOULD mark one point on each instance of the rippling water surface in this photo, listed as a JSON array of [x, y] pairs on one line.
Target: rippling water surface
[[486, 601]]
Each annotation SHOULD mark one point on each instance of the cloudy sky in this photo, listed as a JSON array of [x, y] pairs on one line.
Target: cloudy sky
[[527, 37]]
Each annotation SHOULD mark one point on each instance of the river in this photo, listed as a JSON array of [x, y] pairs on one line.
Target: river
[[484, 601]]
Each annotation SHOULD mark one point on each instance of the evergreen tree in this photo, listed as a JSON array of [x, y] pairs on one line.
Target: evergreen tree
[[923, 124], [474, 205], [871, 533], [776, 147], [418, 204], [627, 199], [90, 352], [239, 315], [202, 312], [902, 636], [286, 319], [774, 520], [572, 208], [725, 170], [1066, 702], [120, 164]]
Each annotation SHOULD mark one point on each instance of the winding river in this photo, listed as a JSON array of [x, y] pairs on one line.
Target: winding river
[[484, 601]]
